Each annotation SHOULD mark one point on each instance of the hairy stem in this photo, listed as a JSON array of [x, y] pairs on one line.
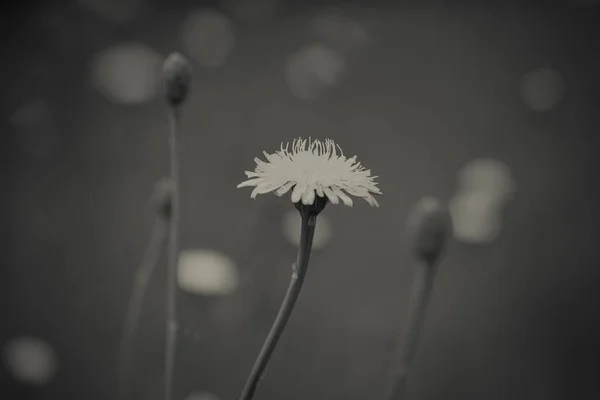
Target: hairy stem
[[173, 252], [299, 272], [142, 276], [421, 293]]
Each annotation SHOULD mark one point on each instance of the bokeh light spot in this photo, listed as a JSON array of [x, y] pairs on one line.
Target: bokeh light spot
[[489, 176], [128, 73], [476, 217], [30, 360], [207, 272], [291, 225], [542, 89], [312, 70], [208, 37], [484, 187]]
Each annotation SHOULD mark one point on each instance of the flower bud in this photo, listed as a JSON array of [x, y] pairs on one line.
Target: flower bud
[[177, 76], [162, 197], [429, 226]]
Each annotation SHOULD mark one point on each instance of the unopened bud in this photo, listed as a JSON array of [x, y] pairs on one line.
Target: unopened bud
[[177, 76], [162, 197], [429, 226]]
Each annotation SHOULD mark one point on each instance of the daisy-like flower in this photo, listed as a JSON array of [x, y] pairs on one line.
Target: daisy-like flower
[[316, 174], [312, 168]]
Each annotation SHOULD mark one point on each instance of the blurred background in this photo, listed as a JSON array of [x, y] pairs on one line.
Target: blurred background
[[490, 106]]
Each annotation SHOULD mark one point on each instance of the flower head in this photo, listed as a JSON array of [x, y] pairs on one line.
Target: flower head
[[312, 168]]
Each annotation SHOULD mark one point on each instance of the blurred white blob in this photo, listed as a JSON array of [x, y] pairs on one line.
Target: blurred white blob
[[252, 10], [475, 217], [128, 73], [114, 10], [291, 225], [201, 396], [30, 360], [206, 272], [36, 132], [542, 89], [488, 176], [338, 30], [208, 37], [313, 69], [484, 187]]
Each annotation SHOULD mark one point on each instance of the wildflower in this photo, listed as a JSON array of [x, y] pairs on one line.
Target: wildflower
[[311, 169], [316, 174]]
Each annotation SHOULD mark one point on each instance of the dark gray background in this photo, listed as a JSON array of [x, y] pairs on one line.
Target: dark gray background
[[437, 86]]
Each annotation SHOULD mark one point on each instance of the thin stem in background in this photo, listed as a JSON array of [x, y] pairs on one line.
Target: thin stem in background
[[421, 293], [299, 272], [141, 279], [173, 252]]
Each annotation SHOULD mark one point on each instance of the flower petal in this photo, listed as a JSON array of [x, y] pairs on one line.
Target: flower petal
[[375, 190], [285, 188], [262, 166], [330, 195], [371, 200], [308, 197], [250, 182], [264, 188], [319, 189], [298, 192], [271, 158], [345, 198]]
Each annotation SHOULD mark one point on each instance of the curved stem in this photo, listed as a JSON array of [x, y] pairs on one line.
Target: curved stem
[[299, 272], [142, 276], [421, 293], [173, 251]]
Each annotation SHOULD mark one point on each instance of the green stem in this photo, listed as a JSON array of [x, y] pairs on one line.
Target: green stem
[[421, 293], [142, 276], [299, 272], [173, 251]]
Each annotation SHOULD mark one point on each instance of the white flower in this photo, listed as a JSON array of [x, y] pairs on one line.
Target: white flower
[[312, 168]]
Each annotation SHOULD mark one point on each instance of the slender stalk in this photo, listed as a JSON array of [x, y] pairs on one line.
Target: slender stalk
[[142, 276], [299, 272], [173, 252], [421, 293]]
